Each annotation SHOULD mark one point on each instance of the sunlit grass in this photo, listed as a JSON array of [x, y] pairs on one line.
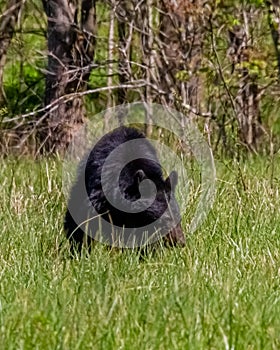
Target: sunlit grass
[[220, 292]]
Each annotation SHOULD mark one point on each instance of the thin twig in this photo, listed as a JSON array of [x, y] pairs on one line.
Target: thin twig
[[69, 97]]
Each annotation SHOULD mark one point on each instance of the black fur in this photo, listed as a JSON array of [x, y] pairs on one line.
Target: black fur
[[87, 198]]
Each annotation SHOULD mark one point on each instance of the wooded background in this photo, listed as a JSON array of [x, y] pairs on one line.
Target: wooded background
[[62, 62]]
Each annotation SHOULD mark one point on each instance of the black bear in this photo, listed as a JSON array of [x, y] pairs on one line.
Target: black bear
[[120, 196]]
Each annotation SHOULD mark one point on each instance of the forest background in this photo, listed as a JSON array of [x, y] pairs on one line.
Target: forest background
[[218, 62]]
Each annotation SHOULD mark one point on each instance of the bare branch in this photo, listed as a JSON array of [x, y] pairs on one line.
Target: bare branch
[[69, 97]]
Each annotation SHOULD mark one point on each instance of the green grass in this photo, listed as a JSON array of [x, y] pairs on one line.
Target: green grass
[[220, 292]]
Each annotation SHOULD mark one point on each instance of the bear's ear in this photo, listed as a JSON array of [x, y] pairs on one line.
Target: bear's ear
[[139, 176], [171, 181]]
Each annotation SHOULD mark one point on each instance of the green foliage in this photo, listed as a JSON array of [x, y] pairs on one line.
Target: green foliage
[[255, 67], [257, 3], [219, 77], [27, 93], [24, 81], [183, 75], [3, 112], [221, 291]]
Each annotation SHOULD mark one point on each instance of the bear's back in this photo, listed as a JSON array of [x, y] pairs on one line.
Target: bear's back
[[141, 151]]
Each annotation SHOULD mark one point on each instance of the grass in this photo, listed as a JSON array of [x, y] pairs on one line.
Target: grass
[[220, 292]]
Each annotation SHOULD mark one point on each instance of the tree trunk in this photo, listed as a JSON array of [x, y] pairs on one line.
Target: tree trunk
[[248, 112], [110, 70], [8, 21], [145, 23], [274, 24], [71, 46], [181, 40], [125, 13]]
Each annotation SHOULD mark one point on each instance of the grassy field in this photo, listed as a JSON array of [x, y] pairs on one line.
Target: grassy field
[[220, 292]]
